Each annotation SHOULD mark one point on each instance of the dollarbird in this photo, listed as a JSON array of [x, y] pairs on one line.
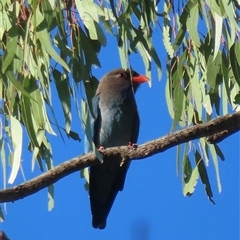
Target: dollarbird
[[116, 123]]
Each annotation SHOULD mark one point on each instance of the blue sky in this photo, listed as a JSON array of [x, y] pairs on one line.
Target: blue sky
[[151, 205]]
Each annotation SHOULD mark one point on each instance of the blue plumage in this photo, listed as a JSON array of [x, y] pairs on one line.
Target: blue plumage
[[116, 123]]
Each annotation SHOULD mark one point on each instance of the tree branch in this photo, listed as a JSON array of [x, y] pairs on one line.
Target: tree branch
[[228, 124]]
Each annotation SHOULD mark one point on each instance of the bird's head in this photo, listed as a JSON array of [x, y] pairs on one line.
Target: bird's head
[[127, 77]]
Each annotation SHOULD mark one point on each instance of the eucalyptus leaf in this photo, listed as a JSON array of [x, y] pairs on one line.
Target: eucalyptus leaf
[[17, 139]]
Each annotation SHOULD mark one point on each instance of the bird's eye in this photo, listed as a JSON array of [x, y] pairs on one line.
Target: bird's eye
[[120, 75]]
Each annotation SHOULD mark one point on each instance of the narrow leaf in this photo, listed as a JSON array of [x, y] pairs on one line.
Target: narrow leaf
[[189, 187], [215, 162], [61, 81], [192, 25], [16, 135], [218, 33], [45, 40], [50, 197], [1, 215], [10, 48], [204, 176]]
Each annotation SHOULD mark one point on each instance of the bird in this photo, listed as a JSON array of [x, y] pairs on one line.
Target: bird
[[116, 123]]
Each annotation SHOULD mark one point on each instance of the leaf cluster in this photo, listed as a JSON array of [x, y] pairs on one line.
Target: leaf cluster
[[201, 39], [51, 46]]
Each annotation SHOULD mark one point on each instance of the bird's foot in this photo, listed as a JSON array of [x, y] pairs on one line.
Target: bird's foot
[[100, 149], [134, 146]]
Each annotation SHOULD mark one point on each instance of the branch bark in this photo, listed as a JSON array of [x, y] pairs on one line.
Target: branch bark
[[228, 124]]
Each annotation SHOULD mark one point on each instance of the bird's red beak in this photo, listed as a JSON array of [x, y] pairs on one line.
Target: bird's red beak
[[140, 79]]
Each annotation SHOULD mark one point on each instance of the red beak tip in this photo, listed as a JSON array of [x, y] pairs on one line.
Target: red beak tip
[[140, 79]]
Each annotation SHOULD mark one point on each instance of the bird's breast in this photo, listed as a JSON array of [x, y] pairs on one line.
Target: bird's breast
[[117, 123]]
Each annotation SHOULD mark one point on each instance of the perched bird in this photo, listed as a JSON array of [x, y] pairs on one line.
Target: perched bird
[[116, 124]]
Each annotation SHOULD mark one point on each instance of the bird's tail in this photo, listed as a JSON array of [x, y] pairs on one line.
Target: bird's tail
[[106, 180], [98, 221]]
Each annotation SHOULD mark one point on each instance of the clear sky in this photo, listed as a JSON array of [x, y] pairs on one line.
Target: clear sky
[[151, 205]]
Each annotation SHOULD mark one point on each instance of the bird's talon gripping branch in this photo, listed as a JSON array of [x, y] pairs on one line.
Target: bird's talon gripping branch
[[100, 149], [134, 146]]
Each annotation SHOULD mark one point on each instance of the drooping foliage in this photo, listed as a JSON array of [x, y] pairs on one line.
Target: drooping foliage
[[53, 42]]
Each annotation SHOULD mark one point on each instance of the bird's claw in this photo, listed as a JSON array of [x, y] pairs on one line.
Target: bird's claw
[[100, 149], [134, 146]]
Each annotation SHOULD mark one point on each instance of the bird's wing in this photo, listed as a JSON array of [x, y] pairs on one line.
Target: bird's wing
[[93, 122]]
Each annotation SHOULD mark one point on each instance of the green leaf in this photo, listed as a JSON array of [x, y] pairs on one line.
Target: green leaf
[[143, 41], [146, 60], [85, 174], [204, 148], [60, 18], [179, 99], [37, 105], [214, 7], [219, 152], [215, 162], [167, 41], [45, 40], [213, 67], [234, 64], [189, 187], [50, 197], [217, 33], [192, 25], [5, 21], [27, 114], [203, 175], [16, 136], [122, 46], [74, 136], [49, 14], [100, 35], [205, 14], [226, 96], [193, 74], [85, 46], [95, 31], [237, 51], [47, 154], [228, 7], [187, 168], [206, 101], [180, 64], [179, 38], [18, 60], [35, 153], [10, 48], [2, 219], [62, 84], [16, 83], [169, 99], [87, 9], [89, 15], [4, 162], [190, 114]]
